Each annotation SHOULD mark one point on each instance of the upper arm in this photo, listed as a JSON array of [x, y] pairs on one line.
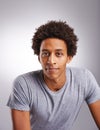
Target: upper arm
[[95, 110], [20, 119]]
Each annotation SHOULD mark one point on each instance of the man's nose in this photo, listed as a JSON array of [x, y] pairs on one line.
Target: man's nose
[[51, 59]]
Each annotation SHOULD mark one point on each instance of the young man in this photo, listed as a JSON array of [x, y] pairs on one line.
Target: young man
[[50, 99]]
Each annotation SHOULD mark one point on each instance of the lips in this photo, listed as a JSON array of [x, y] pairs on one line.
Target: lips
[[51, 69]]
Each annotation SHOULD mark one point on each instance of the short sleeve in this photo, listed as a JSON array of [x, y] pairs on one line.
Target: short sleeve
[[19, 98], [92, 88]]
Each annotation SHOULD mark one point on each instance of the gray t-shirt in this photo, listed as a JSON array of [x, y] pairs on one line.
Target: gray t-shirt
[[51, 110]]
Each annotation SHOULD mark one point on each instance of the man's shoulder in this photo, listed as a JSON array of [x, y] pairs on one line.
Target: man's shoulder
[[77, 69], [28, 75], [79, 72]]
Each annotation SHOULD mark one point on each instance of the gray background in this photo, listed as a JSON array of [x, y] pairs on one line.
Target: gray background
[[18, 20]]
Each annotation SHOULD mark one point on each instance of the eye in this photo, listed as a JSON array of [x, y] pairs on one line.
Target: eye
[[59, 54], [45, 54]]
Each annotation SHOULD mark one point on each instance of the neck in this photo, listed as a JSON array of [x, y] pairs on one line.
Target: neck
[[55, 84]]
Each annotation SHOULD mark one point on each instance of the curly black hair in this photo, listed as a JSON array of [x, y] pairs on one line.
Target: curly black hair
[[55, 29]]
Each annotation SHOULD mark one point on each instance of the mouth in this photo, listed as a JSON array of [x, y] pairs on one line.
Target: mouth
[[51, 69]]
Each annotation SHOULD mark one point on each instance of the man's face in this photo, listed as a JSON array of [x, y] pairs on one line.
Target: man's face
[[53, 58]]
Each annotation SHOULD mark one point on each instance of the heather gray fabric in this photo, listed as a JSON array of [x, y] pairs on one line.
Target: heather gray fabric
[[53, 110]]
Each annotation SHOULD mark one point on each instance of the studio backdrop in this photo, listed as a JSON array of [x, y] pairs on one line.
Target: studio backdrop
[[18, 21]]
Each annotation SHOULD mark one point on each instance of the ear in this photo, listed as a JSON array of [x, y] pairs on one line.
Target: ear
[[69, 59]]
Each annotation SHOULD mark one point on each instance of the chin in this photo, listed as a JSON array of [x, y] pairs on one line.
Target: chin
[[51, 76]]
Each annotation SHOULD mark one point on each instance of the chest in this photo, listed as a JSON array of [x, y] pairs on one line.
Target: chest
[[56, 109]]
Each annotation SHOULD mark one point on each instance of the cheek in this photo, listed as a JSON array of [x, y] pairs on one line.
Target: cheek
[[62, 64], [62, 61], [43, 61]]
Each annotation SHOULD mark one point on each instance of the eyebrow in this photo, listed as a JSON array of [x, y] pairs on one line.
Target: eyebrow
[[55, 50]]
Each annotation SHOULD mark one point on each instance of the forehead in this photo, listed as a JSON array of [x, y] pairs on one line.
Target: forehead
[[53, 44]]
